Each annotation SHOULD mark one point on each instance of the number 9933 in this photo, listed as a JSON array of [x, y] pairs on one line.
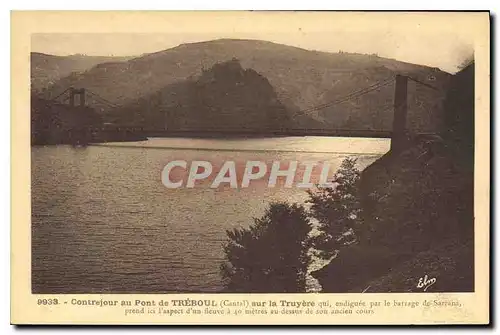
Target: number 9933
[[48, 302]]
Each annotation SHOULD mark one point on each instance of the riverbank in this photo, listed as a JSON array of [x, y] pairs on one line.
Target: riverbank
[[417, 211], [418, 220]]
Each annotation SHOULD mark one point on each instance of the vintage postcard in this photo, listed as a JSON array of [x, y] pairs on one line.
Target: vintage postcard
[[274, 168]]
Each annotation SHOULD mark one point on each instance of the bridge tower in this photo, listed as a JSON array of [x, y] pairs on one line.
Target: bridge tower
[[399, 133], [74, 92]]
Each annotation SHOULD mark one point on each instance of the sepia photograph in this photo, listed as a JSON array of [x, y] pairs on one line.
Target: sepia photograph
[[108, 114], [319, 155]]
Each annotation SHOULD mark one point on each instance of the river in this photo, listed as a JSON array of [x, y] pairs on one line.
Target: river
[[103, 222]]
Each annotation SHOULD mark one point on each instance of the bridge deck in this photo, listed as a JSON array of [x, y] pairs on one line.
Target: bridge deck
[[141, 131]]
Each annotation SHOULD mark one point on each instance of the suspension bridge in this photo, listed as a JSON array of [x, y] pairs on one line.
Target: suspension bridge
[[81, 97]]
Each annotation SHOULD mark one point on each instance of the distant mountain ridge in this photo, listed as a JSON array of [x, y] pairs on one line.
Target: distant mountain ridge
[[47, 69], [301, 79]]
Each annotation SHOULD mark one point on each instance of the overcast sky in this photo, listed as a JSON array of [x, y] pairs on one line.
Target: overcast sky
[[443, 50]]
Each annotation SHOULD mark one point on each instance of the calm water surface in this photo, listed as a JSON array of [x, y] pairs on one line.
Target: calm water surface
[[102, 221]]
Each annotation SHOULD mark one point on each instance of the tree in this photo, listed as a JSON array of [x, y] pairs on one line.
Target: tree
[[271, 255], [337, 210]]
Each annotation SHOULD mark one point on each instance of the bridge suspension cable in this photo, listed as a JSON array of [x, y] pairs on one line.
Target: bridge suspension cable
[[103, 100], [350, 96], [95, 96], [423, 84], [60, 94]]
